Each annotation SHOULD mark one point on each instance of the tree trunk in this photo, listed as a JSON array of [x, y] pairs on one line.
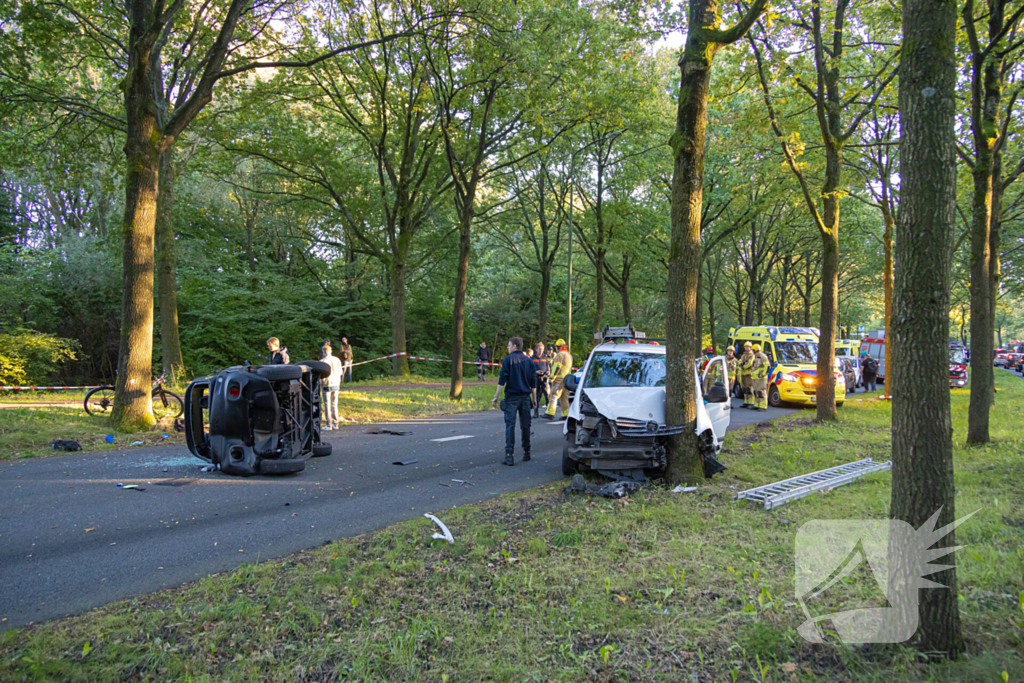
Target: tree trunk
[[132, 402], [599, 259], [167, 272], [698, 329], [711, 313], [399, 364], [542, 305], [459, 314], [627, 307], [887, 274], [922, 473], [994, 241], [826, 387]]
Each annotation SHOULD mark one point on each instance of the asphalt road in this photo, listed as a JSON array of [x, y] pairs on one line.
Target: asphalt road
[[71, 539]]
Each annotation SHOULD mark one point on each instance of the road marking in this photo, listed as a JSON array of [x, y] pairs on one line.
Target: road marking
[[557, 424], [455, 438]]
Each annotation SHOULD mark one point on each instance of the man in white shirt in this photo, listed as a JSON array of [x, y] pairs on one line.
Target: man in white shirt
[[331, 386]]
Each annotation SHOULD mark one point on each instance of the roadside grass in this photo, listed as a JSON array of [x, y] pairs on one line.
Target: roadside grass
[[544, 586], [28, 432]]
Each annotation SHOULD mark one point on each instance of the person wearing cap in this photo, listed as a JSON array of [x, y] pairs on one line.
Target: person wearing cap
[[747, 378], [732, 364], [759, 370], [345, 349], [560, 367], [331, 386]]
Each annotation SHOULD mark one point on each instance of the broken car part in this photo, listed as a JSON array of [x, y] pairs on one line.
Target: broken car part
[[446, 535]]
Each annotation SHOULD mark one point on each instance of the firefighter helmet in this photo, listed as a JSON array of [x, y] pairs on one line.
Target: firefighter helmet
[[757, 348]]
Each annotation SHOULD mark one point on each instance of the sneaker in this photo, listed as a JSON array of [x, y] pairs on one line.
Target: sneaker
[[325, 428], [509, 461]]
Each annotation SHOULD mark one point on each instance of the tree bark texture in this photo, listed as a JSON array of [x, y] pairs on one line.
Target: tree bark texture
[[986, 96], [922, 474], [399, 364], [890, 223], [459, 314], [167, 272], [703, 40]]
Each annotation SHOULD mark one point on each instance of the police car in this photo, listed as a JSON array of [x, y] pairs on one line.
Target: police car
[[616, 424], [793, 353]]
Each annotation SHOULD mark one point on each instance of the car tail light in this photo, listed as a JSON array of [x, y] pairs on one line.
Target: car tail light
[[234, 391]]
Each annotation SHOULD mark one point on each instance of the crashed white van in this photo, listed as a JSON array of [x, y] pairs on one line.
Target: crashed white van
[[616, 424]]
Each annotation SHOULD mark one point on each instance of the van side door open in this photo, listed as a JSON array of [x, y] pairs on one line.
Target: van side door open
[[714, 386]]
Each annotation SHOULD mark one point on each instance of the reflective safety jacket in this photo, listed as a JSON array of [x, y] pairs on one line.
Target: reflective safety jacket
[[562, 365], [759, 368], [746, 361]]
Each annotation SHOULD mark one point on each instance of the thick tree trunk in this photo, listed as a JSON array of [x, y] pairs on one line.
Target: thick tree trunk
[[399, 364], [982, 377], [688, 142], [167, 272], [459, 313], [922, 481], [698, 330], [826, 387], [132, 403]]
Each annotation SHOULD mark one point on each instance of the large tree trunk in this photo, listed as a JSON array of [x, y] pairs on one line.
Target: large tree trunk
[[922, 474], [698, 329], [459, 314], [132, 402], [167, 272]]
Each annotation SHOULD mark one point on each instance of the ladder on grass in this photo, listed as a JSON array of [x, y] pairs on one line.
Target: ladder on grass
[[774, 495]]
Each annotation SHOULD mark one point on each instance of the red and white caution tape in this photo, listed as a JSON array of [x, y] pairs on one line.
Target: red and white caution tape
[[374, 360], [44, 388]]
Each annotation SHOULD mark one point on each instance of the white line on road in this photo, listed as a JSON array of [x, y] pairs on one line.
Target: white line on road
[[559, 424], [455, 438]]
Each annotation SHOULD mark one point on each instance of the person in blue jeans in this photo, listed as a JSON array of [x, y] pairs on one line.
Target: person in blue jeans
[[519, 378]]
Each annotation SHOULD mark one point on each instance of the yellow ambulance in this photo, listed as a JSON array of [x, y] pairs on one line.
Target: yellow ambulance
[[793, 352], [848, 348]]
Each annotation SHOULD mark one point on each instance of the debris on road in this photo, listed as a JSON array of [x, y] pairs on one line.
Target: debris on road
[[67, 446], [615, 489], [136, 443], [392, 432], [405, 462], [447, 535], [684, 489], [131, 486], [207, 468]]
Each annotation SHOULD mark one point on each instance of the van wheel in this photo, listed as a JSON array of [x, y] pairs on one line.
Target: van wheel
[[774, 398], [839, 404], [569, 466]]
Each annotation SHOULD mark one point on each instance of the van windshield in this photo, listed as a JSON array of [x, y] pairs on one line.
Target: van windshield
[[956, 357], [796, 352], [620, 369]]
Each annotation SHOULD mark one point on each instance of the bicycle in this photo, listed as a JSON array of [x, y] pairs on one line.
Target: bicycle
[[166, 404]]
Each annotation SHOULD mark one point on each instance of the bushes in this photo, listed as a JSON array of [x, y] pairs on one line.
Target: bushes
[[29, 356]]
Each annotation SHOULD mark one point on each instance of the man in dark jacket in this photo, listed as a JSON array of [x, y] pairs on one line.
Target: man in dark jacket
[[519, 378], [345, 353], [543, 368], [483, 355], [278, 353], [869, 367]]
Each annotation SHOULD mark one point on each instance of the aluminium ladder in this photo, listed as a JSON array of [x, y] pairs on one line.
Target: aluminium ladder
[[774, 495]]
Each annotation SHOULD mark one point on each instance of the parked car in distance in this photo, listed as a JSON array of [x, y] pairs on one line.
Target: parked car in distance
[[1000, 357]]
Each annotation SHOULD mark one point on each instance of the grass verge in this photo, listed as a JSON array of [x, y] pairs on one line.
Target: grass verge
[[543, 586], [28, 432]]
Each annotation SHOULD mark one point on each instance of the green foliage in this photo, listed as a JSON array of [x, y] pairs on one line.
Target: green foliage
[[27, 356]]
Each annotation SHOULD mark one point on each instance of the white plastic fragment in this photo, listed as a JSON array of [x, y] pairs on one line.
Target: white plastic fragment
[[136, 443], [447, 535], [684, 489]]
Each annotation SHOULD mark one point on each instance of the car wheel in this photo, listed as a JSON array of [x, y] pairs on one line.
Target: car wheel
[[839, 404], [318, 367], [569, 466], [322, 449], [774, 398], [280, 372]]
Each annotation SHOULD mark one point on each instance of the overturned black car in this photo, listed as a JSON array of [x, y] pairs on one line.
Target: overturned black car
[[255, 419]]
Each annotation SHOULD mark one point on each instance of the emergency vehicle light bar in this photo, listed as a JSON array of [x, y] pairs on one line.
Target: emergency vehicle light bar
[[626, 332]]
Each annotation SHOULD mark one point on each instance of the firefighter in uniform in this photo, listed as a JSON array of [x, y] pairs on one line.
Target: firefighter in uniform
[[732, 365], [561, 366], [746, 378], [759, 369]]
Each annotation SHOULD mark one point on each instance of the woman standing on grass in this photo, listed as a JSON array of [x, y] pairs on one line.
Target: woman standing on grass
[[331, 386]]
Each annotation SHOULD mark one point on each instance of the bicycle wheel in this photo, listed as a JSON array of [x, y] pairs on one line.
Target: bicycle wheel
[[99, 401], [167, 404]]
